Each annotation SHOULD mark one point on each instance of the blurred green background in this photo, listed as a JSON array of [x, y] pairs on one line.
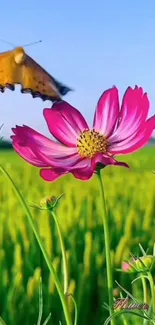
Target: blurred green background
[[130, 196]]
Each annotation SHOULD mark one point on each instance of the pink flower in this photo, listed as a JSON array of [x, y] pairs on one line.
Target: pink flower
[[81, 150]]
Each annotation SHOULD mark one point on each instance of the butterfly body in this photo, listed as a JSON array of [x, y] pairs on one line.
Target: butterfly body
[[16, 67]]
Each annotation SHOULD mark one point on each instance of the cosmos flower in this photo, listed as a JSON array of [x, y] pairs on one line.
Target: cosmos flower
[[80, 150]]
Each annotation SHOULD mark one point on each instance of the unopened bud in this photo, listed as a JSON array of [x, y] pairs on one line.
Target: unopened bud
[[140, 264], [47, 203]]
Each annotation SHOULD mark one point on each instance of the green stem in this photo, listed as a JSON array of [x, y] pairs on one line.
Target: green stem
[[44, 252], [76, 310], [152, 291], [107, 248], [123, 317], [144, 288], [65, 264], [144, 294]]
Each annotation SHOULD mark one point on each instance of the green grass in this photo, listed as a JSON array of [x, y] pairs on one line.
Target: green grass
[[130, 198]]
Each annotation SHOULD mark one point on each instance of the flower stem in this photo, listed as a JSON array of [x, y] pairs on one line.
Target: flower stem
[[144, 294], [58, 285], [107, 248], [144, 289], [65, 264], [152, 291]]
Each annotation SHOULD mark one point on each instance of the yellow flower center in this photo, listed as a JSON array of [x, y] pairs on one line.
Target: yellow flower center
[[90, 143]]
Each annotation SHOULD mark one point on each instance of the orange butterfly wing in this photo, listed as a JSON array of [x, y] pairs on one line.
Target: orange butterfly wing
[[16, 67], [35, 80], [8, 71]]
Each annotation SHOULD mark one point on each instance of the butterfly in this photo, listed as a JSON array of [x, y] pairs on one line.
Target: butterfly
[[16, 67]]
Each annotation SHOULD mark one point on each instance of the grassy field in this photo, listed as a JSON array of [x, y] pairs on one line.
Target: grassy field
[[130, 196]]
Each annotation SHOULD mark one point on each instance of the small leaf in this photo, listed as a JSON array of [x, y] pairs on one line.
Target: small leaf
[[142, 250], [47, 319]]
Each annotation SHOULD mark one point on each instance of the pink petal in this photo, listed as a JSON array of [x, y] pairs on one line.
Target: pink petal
[[66, 162], [50, 175], [50, 152], [82, 170], [28, 155], [135, 141], [82, 163], [106, 160], [65, 123], [84, 174], [107, 112], [26, 135], [134, 111]]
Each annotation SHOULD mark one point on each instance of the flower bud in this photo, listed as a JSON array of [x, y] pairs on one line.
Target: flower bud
[[48, 201], [140, 264]]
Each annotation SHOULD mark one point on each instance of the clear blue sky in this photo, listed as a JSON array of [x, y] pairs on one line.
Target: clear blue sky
[[89, 45]]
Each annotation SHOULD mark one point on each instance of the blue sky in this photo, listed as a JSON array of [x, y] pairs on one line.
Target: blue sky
[[89, 45]]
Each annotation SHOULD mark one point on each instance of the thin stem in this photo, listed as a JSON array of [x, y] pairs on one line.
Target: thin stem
[[144, 289], [145, 297], [152, 292], [107, 248], [76, 310], [65, 264], [44, 252], [123, 317]]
